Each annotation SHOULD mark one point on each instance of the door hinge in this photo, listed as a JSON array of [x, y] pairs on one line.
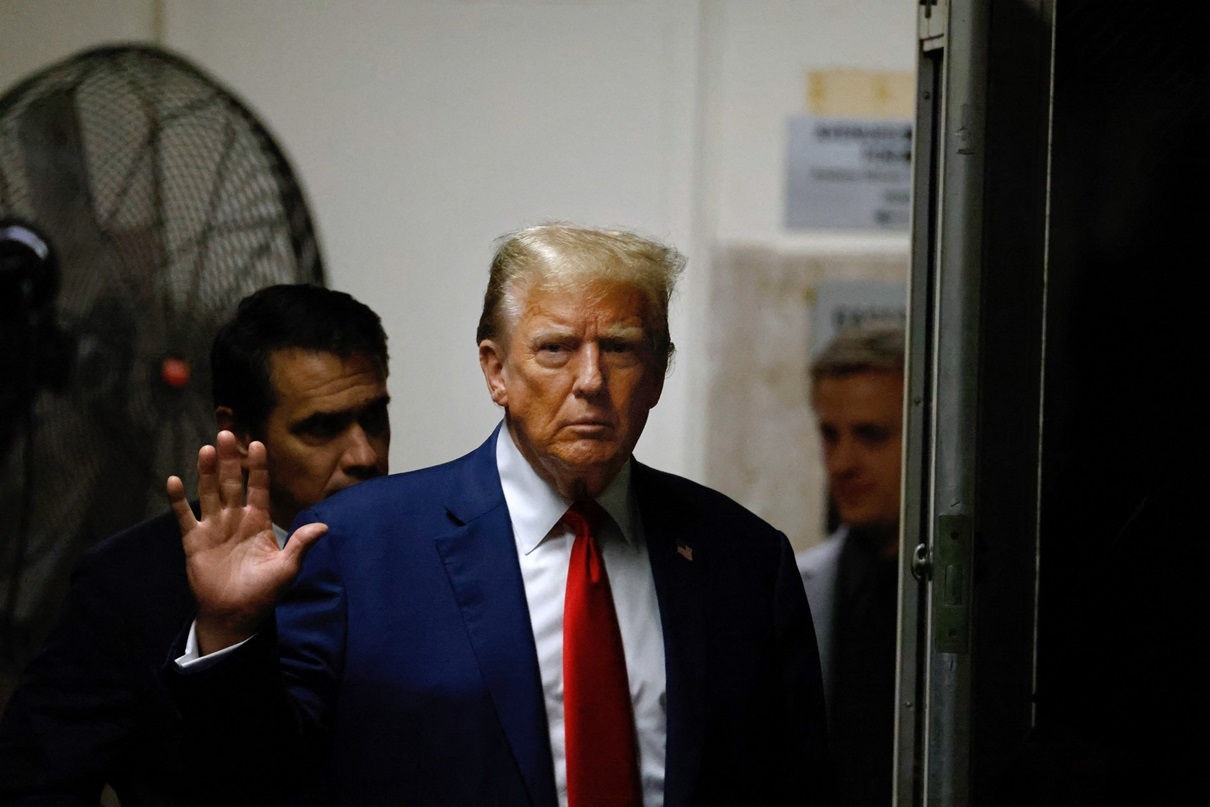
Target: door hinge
[[953, 559]]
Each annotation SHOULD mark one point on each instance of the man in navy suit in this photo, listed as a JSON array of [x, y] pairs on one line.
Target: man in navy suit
[[419, 657], [301, 368]]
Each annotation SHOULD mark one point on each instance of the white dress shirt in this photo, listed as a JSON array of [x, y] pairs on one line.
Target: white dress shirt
[[544, 551]]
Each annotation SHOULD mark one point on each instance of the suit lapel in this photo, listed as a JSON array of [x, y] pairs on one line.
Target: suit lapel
[[480, 561], [677, 568]]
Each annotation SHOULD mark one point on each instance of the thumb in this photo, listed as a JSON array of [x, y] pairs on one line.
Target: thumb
[[301, 540]]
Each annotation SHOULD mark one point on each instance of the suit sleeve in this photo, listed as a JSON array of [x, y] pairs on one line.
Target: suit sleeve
[[260, 718], [71, 721]]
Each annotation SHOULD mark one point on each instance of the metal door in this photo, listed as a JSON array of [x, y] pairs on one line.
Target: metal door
[[1056, 609]]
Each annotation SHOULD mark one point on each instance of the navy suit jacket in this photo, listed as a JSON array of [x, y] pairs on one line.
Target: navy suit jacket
[[411, 671], [91, 707]]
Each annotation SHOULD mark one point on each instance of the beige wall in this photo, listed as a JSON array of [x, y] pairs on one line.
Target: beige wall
[[36, 32]]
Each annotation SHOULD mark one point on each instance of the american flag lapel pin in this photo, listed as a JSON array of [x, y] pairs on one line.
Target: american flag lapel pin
[[685, 551]]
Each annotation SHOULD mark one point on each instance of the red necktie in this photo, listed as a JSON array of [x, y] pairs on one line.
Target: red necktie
[[598, 719]]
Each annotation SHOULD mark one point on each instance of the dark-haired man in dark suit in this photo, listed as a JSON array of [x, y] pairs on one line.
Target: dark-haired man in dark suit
[[303, 370]]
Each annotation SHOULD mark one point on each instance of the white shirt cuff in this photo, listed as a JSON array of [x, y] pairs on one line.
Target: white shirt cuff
[[193, 661]]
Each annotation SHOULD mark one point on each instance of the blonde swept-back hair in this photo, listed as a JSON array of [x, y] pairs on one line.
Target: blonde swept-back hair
[[557, 255]]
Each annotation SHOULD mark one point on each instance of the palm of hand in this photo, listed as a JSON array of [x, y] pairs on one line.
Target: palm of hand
[[235, 568]]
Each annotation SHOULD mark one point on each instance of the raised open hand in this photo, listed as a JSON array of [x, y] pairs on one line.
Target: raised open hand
[[236, 570]]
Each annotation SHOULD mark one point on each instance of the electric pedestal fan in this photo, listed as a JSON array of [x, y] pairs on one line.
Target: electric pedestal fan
[[139, 201]]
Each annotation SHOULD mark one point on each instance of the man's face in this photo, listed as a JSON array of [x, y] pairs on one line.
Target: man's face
[[577, 378], [329, 429], [860, 420]]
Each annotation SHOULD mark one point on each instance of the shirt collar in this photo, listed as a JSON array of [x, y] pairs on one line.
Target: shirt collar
[[535, 508]]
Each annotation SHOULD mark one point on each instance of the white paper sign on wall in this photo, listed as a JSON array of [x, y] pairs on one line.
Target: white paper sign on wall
[[848, 173]]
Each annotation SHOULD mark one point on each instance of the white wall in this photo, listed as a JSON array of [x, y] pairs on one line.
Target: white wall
[[34, 33], [421, 130], [761, 54]]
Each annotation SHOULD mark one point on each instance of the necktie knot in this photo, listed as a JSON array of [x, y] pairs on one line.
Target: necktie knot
[[585, 517]]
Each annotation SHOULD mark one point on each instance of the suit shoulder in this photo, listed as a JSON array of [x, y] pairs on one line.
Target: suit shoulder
[[417, 493], [129, 586], [684, 496], [150, 545]]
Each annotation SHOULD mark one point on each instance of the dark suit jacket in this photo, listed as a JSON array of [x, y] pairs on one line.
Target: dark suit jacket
[[91, 707], [406, 646]]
